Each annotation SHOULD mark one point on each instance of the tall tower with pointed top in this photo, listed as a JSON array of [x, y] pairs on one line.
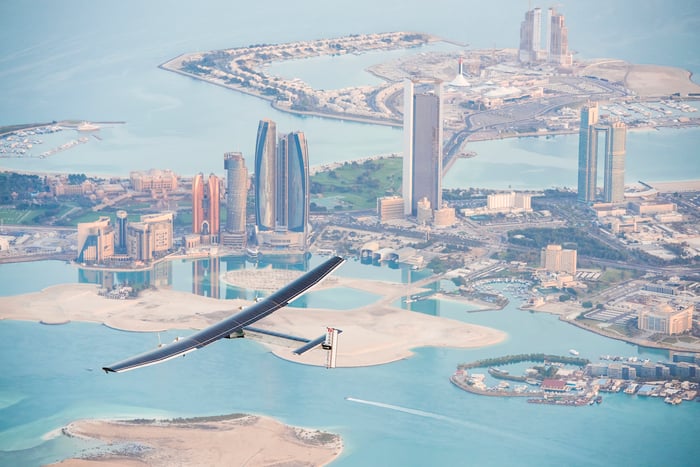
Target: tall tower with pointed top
[[205, 206]]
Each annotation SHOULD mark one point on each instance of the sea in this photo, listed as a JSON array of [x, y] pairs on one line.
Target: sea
[[98, 61]]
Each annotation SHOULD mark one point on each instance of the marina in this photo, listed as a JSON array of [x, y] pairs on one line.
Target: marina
[[25, 142], [18, 143], [554, 384]]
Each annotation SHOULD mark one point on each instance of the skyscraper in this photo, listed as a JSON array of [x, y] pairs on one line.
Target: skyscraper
[[205, 206], [293, 194], [236, 194], [281, 187], [615, 141], [558, 40], [265, 174], [614, 169], [530, 42], [422, 159], [587, 153]]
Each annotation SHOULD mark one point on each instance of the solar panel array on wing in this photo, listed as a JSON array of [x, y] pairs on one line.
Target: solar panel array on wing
[[232, 324]]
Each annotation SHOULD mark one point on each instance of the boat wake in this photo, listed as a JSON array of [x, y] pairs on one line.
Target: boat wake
[[501, 433], [398, 408]]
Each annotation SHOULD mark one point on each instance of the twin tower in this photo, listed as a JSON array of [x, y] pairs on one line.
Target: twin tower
[[589, 144]]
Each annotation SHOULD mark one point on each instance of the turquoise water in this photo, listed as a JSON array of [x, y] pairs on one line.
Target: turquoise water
[[537, 163], [96, 61], [337, 72], [408, 412]]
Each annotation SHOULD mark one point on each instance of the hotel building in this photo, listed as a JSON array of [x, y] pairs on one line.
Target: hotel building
[[236, 194], [95, 241], [666, 319], [509, 202], [554, 258], [587, 153], [151, 237], [556, 49], [157, 180], [558, 40], [205, 207]]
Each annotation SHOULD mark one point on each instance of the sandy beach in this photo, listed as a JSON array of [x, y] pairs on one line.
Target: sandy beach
[[234, 440], [645, 80], [374, 334]]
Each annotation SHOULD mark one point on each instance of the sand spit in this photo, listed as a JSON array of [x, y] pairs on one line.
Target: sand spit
[[374, 334], [227, 440]]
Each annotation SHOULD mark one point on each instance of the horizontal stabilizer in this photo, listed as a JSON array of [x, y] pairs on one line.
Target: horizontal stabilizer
[[275, 334], [310, 345]]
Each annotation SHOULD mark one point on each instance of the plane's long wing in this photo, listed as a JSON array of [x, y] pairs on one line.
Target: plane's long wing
[[231, 325]]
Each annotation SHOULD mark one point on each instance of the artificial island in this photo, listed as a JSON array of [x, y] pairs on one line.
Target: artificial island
[[488, 94]]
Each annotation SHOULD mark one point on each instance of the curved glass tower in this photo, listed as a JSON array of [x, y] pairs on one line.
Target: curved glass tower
[[281, 187], [295, 154], [265, 170]]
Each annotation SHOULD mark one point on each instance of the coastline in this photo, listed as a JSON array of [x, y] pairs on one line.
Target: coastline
[[167, 66], [201, 441], [568, 315], [242, 69]]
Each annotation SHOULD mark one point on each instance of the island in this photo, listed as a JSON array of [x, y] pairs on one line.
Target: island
[[487, 94], [235, 439], [551, 382], [370, 335]]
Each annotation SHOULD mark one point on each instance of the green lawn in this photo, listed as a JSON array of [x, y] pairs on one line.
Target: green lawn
[[613, 276], [10, 215], [357, 185]]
